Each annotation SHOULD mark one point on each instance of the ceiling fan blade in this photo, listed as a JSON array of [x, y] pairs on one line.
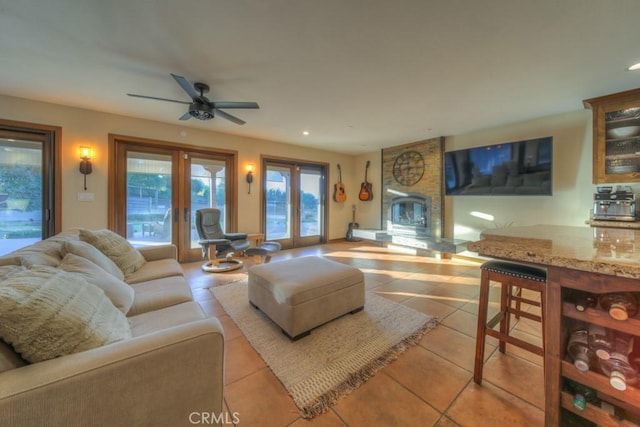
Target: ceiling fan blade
[[229, 117], [158, 99], [184, 83], [186, 116], [236, 104]]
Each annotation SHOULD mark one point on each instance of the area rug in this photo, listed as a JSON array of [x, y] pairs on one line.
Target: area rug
[[337, 357]]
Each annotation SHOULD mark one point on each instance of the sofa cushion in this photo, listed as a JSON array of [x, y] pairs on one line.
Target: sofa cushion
[[116, 247], [159, 293], [46, 312], [155, 270], [165, 318], [120, 293], [88, 251]]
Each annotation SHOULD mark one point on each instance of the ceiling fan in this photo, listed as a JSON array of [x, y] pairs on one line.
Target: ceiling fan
[[200, 107]]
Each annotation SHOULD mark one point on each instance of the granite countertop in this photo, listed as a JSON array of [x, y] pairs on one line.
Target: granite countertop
[[610, 251], [613, 224]]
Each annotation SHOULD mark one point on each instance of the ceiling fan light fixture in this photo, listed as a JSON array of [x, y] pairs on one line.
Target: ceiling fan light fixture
[[201, 111]]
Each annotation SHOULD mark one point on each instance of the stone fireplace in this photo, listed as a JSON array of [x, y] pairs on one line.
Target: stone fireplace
[[423, 200], [412, 209], [409, 215]]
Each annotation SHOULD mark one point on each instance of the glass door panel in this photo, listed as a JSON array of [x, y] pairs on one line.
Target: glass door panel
[[149, 198], [311, 206], [277, 196], [208, 190], [21, 181]]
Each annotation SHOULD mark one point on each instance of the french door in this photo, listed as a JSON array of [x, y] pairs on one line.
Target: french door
[[294, 202], [159, 188], [29, 184]]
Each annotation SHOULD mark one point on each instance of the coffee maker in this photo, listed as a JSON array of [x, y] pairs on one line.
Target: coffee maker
[[619, 205]]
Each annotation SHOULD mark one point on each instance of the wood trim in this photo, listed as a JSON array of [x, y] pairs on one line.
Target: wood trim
[[170, 144]]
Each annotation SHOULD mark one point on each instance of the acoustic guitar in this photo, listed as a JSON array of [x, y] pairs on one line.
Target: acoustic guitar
[[339, 193], [366, 194]]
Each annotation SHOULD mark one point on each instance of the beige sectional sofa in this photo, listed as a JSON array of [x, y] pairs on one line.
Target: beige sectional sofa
[[166, 372]]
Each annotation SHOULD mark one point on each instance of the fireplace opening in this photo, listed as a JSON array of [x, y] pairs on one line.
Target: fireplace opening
[[410, 215]]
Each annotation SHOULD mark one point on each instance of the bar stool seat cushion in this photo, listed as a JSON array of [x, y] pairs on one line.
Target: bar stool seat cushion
[[521, 271]]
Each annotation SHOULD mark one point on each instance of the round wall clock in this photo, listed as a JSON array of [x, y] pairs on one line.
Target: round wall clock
[[408, 168]]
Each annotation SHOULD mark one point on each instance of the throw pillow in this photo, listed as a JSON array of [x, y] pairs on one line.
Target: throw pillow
[[120, 293], [8, 270], [88, 251], [46, 312], [116, 247]]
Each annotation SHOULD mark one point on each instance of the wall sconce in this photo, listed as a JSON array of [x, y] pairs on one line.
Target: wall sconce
[[249, 176], [85, 164]]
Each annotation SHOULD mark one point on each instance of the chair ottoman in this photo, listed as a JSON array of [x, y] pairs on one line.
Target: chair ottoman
[[302, 293]]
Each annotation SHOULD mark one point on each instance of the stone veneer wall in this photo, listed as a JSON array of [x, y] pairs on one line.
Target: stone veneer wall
[[432, 151]]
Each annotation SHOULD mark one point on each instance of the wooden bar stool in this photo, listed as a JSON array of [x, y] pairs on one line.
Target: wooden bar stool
[[513, 278]]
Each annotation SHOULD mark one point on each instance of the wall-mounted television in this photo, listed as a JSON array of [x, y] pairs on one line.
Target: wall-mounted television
[[512, 168]]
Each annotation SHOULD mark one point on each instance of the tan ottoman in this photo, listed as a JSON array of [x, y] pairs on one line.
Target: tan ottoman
[[303, 293]]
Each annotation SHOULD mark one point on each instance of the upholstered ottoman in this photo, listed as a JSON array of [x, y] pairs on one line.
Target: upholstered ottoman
[[302, 293]]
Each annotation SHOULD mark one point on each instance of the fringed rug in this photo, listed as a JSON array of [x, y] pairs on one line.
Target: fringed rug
[[337, 357]]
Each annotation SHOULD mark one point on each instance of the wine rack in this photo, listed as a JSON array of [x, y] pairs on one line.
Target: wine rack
[[628, 399]]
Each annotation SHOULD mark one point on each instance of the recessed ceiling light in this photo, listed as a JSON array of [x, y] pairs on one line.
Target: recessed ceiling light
[[305, 133], [634, 67]]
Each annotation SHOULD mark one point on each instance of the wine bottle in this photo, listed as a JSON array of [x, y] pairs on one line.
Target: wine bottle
[[578, 349], [617, 367], [600, 341], [582, 300], [620, 305], [581, 394]]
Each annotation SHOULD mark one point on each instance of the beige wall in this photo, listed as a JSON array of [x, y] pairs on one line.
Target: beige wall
[[572, 187], [84, 127], [569, 204]]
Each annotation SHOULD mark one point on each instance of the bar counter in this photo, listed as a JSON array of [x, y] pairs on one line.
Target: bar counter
[[593, 259], [603, 250]]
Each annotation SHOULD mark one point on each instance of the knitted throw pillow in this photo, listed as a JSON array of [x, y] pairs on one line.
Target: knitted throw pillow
[[90, 252], [46, 312], [116, 247], [120, 293]]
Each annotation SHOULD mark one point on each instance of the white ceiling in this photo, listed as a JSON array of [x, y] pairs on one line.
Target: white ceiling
[[359, 75]]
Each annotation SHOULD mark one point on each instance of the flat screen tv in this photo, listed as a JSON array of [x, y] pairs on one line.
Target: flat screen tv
[[513, 168]]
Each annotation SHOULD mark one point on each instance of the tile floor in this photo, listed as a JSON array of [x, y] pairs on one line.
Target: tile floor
[[429, 385]]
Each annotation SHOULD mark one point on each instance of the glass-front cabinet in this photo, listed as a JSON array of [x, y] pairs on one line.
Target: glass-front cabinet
[[616, 137]]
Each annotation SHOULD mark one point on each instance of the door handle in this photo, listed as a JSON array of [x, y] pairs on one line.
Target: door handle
[[175, 215], [186, 214]]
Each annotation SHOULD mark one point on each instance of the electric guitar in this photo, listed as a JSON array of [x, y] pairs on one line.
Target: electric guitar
[[352, 226], [339, 193], [365, 188]]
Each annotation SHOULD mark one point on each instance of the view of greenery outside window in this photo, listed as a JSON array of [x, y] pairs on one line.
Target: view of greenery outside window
[[20, 194], [149, 204], [278, 208]]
